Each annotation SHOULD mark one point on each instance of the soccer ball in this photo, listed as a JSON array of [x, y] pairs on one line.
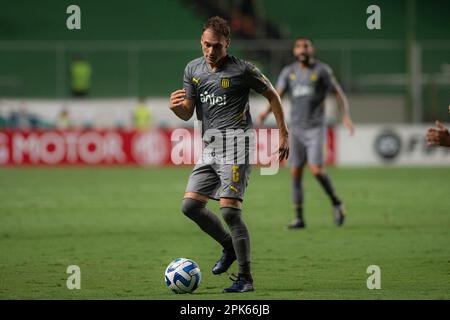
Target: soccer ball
[[183, 275]]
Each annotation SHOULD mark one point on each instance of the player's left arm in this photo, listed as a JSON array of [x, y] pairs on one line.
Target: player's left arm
[[263, 115], [343, 104], [258, 82], [281, 87], [274, 100]]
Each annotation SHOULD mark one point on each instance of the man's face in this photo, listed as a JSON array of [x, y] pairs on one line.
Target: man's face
[[303, 50], [214, 46]]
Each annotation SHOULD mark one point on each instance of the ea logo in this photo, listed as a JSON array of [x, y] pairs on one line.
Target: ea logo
[[150, 148], [388, 145]]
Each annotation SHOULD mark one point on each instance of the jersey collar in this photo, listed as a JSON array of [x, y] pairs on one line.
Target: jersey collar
[[220, 67]]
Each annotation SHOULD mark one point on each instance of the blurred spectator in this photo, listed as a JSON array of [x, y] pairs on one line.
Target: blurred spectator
[[19, 119], [243, 18], [34, 121], [63, 121], [80, 77], [13, 120], [142, 115], [3, 120]]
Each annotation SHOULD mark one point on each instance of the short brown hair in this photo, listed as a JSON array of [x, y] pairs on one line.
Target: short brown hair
[[219, 25], [304, 38]]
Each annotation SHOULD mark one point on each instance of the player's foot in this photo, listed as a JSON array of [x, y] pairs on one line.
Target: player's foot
[[296, 224], [227, 259], [339, 214], [240, 284]]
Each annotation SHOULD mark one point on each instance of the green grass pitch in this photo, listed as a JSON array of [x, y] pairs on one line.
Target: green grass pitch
[[122, 226]]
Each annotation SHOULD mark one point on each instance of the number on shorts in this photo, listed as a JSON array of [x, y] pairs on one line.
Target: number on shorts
[[235, 176]]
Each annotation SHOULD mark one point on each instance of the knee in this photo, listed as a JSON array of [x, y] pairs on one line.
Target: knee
[[296, 173], [232, 216], [317, 170], [190, 206]]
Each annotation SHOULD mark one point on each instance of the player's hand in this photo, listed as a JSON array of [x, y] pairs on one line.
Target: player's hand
[[347, 121], [177, 98], [439, 137], [261, 118], [283, 150]]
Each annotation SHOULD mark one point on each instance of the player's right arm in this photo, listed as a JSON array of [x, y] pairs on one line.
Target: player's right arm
[[182, 102], [181, 106]]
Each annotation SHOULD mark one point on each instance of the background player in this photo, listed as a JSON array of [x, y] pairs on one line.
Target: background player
[[217, 86], [307, 81]]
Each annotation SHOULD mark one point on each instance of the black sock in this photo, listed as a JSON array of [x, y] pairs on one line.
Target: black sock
[[299, 212], [325, 182], [246, 275], [240, 237], [297, 197]]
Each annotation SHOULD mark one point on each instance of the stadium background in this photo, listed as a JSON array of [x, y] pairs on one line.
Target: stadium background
[[397, 79], [399, 74]]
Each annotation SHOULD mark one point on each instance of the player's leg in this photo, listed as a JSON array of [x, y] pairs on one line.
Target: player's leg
[[297, 161], [315, 141], [297, 197], [234, 180], [324, 180], [231, 211], [194, 207], [201, 185]]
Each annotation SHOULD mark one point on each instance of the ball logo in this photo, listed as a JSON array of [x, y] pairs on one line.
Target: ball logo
[[150, 148]]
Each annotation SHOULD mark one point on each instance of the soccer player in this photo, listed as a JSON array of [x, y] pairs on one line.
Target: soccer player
[[307, 81], [440, 137], [217, 87]]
